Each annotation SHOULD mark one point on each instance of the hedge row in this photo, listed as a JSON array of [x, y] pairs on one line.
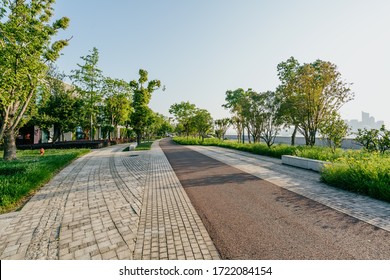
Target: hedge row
[[79, 144]]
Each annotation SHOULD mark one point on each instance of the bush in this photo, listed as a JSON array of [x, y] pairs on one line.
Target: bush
[[319, 153], [259, 148], [79, 144], [363, 173]]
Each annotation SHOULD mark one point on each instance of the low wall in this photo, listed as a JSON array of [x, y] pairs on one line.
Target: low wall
[[305, 163]]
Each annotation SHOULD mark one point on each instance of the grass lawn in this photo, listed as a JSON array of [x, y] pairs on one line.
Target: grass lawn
[[144, 146], [21, 178], [141, 147]]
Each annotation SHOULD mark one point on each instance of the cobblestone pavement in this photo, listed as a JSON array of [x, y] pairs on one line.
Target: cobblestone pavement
[[304, 182], [109, 204]]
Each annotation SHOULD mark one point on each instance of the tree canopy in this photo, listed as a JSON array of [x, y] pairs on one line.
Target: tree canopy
[[142, 95], [88, 79], [58, 105], [26, 29], [310, 94], [183, 112]]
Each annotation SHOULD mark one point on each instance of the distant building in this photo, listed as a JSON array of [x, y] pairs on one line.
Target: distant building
[[367, 122]]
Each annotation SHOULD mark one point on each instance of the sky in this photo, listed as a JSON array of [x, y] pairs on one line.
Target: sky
[[199, 49]]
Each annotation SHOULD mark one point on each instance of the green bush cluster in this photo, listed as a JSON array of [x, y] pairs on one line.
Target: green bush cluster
[[144, 146], [363, 173], [20, 178], [259, 148], [276, 151], [320, 153]]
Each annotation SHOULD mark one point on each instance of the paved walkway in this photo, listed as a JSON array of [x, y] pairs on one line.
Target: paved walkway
[[109, 204], [304, 182]]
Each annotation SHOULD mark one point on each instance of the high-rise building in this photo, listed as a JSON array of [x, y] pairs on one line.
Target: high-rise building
[[367, 122]]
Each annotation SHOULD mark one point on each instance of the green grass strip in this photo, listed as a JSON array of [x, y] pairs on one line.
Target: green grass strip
[[144, 146], [20, 178]]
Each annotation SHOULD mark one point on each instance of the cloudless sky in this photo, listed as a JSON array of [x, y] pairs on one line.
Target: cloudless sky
[[199, 49]]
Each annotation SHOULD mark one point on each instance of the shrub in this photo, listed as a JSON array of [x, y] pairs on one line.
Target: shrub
[[259, 148], [78, 144], [363, 173], [319, 153]]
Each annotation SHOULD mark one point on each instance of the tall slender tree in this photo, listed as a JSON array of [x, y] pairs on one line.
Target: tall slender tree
[[221, 126], [271, 120], [88, 79], [117, 102], [141, 98], [235, 102], [26, 32]]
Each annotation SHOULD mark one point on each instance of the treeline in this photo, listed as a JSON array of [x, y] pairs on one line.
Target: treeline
[[308, 99], [98, 104], [33, 92]]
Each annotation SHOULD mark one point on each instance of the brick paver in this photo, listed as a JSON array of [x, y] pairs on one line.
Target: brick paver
[[109, 204], [169, 227]]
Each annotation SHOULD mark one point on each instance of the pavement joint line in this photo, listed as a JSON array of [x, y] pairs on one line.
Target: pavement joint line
[[108, 205]]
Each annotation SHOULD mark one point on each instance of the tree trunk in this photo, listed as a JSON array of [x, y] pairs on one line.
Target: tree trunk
[[139, 136], [243, 134], [56, 133], [91, 136], [9, 145], [312, 138], [293, 136]]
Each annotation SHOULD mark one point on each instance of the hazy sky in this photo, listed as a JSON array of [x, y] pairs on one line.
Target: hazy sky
[[199, 49]]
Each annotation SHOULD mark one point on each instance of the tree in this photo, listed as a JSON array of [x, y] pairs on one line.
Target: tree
[[117, 103], [88, 80], [202, 122], [59, 107], [183, 113], [287, 72], [271, 118], [237, 125], [142, 95], [368, 139], [384, 140], [221, 126], [334, 131], [311, 93], [253, 113], [374, 139], [26, 30], [235, 102], [162, 125]]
